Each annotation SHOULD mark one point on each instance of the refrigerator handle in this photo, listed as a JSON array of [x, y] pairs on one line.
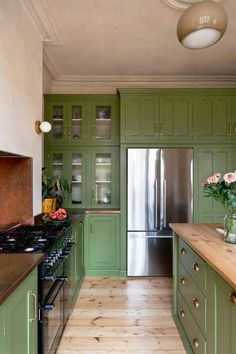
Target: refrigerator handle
[[156, 220], [164, 203]]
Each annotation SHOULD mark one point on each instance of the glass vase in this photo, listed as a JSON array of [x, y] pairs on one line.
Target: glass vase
[[230, 228]]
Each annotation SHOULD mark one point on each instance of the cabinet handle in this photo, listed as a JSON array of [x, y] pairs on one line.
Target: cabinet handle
[[182, 280], [232, 298], [183, 250], [229, 128], [182, 313], [161, 127], [64, 131], [156, 129], [93, 193], [35, 306], [69, 130], [195, 342], [196, 267], [81, 222], [196, 303]]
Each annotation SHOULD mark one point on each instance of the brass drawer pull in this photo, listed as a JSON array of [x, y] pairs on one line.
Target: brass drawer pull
[[182, 280], [182, 250], [232, 298], [195, 342], [196, 303], [182, 313], [196, 267]]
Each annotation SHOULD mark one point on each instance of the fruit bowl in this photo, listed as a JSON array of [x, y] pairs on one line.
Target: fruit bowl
[[46, 218]]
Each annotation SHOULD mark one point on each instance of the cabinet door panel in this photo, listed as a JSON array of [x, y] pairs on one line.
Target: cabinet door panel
[[56, 114], [77, 176], [149, 119], [77, 123]]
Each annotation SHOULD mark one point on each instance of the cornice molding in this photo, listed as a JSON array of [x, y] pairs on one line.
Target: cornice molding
[[182, 4], [40, 15], [50, 67]]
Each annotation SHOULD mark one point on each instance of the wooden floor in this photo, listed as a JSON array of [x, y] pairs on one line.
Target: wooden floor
[[122, 315]]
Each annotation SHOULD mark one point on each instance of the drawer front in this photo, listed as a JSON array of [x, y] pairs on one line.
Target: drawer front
[[195, 265], [194, 298], [192, 331]]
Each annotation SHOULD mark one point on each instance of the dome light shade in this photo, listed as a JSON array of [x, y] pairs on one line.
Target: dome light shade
[[202, 25]]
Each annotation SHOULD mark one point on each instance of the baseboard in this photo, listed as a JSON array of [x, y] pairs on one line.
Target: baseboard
[[110, 273]]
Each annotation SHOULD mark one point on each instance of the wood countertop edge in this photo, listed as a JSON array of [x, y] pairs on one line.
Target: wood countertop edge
[[19, 278], [209, 245]]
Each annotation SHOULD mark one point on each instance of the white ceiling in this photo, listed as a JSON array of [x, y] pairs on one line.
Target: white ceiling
[[126, 38]]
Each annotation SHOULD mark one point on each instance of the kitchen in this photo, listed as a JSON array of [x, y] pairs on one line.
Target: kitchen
[[22, 86]]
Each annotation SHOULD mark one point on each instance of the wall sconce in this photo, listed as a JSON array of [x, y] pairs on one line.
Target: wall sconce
[[202, 24], [42, 127]]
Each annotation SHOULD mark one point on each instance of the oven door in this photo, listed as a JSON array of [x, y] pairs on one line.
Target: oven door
[[53, 312]]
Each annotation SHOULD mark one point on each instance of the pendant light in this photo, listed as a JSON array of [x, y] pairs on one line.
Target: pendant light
[[202, 24]]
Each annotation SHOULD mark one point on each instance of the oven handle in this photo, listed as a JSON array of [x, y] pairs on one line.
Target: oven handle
[[67, 252], [61, 281]]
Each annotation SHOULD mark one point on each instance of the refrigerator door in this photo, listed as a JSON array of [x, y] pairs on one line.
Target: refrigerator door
[[149, 255]]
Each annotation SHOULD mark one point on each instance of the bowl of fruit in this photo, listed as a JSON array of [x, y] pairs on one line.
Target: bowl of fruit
[[57, 217]]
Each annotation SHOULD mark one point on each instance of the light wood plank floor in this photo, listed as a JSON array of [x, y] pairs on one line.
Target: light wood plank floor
[[122, 315]]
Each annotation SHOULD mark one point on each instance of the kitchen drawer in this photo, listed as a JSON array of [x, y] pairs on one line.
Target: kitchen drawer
[[193, 333], [195, 265], [194, 298]]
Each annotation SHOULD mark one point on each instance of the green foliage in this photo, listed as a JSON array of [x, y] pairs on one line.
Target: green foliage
[[55, 186]]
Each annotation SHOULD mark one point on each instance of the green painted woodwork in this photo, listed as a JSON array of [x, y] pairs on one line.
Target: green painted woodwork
[[94, 184], [208, 161], [221, 316], [19, 318], [82, 119], [102, 244]]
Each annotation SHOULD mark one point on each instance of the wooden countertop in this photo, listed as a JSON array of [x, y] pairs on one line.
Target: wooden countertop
[[14, 268], [209, 244]]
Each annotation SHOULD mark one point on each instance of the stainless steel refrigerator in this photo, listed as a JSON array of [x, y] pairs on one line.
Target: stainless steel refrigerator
[[159, 184]]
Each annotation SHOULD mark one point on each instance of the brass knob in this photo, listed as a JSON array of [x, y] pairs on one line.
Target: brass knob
[[182, 313], [196, 303], [195, 342], [182, 280], [196, 267], [232, 298], [81, 222], [183, 250]]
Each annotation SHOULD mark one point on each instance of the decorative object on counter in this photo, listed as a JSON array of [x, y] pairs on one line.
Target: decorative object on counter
[[224, 191], [54, 190], [57, 218], [42, 127]]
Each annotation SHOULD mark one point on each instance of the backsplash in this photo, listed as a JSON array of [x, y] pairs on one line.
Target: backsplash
[[15, 188]]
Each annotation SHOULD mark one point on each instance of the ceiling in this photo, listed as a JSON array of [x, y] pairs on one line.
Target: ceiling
[[126, 39]]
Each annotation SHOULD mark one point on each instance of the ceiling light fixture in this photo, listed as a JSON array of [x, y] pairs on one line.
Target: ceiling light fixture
[[42, 127], [202, 24]]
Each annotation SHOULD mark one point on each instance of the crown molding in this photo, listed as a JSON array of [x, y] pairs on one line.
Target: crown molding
[[50, 66], [42, 19], [182, 4]]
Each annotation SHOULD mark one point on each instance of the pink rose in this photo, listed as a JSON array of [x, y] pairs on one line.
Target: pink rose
[[230, 177], [214, 179]]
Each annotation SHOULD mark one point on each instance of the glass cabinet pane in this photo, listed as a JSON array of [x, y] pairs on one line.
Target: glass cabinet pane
[[103, 178], [57, 122], [57, 164], [76, 122], [76, 179], [103, 122]]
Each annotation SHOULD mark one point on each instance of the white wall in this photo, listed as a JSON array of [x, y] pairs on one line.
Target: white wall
[[21, 88]]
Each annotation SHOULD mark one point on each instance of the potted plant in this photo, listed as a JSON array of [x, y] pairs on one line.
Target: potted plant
[[54, 190]]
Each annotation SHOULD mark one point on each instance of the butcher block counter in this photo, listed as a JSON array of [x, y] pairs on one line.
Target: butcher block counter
[[14, 268], [209, 244]]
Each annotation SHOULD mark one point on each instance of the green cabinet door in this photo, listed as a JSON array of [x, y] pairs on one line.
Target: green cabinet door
[[20, 313], [79, 239], [77, 122], [213, 115], [56, 113], [77, 175], [139, 118], [207, 161], [176, 121], [221, 315], [101, 244]]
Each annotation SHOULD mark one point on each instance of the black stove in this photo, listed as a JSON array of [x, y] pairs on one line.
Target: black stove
[[30, 238]]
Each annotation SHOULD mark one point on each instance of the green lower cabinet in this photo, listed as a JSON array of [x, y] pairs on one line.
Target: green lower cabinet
[[221, 315], [102, 244], [19, 318]]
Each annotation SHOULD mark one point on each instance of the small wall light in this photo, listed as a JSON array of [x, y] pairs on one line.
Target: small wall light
[[42, 127], [202, 24]]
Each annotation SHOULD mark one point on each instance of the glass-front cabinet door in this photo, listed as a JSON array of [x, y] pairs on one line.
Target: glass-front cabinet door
[[104, 122], [56, 114], [77, 123], [103, 179], [55, 161], [77, 168]]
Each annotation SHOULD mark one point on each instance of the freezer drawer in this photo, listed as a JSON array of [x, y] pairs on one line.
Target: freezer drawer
[[149, 255]]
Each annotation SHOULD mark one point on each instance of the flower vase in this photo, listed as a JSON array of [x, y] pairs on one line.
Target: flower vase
[[230, 228]]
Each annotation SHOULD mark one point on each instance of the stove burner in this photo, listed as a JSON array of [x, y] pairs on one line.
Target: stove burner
[[11, 240], [41, 240], [29, 249]]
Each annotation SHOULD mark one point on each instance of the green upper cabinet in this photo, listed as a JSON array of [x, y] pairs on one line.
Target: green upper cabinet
[[214, 118], [82, 119]]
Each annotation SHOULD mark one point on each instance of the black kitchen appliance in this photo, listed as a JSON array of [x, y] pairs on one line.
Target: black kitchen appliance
[[56, 242]]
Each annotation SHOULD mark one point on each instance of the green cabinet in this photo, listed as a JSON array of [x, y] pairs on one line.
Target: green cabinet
[[19, 318], [92, 172], [102, 244], [82, 119], [209, 160], [221, 315]]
